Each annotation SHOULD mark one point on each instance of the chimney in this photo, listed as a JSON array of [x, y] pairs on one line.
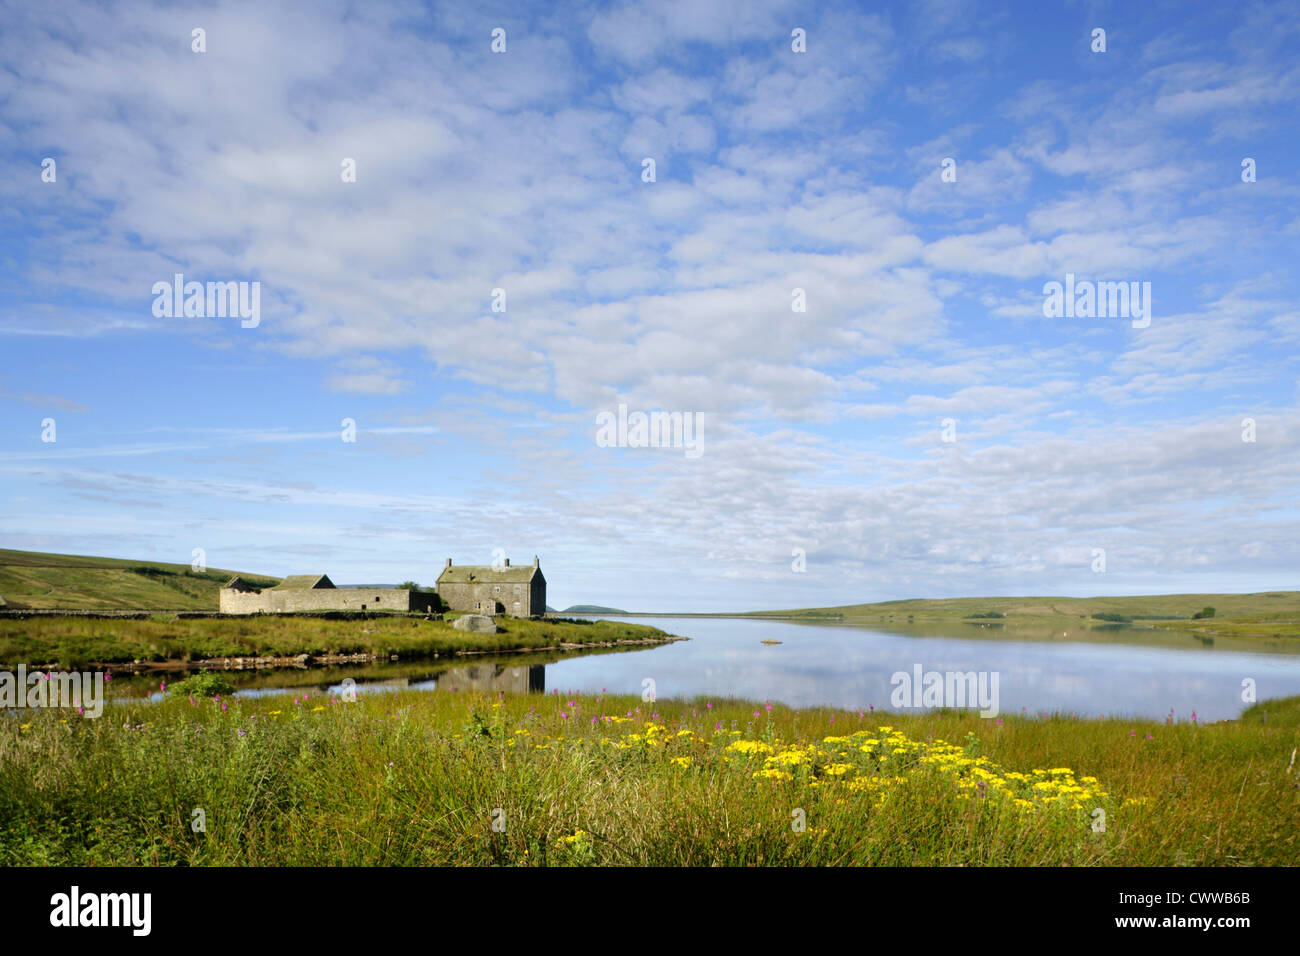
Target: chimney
[[448, 564], [535, 563], [507, 562]]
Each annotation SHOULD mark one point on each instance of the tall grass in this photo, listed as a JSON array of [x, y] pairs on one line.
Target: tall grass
[[415, 778]]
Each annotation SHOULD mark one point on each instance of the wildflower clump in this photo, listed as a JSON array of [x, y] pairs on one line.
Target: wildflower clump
[[876, 762]]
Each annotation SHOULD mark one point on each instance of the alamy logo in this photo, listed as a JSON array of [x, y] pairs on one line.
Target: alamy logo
[[1093, 300], [103, 909], [85, 692], [946, 689], [218, 300], [655, 430]]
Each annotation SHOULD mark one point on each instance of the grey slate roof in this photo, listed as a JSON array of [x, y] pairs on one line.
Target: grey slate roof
[[296, 581], [479, 573]]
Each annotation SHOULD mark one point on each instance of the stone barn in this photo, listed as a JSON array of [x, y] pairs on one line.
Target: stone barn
[[316, 592], [492, 589]]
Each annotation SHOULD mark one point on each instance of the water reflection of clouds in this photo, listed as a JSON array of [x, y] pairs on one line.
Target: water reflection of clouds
[[851, 668]]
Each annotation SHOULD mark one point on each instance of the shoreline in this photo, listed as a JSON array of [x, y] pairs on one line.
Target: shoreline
[[309, 661], [244, 642]]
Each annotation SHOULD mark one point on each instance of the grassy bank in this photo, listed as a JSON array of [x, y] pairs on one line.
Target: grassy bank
[[418, 778], [70, 642]]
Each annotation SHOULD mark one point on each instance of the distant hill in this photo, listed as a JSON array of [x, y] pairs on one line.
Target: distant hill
[[1263, 614], [591, 609], [32, 580]]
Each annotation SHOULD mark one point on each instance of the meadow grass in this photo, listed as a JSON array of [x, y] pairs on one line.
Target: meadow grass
[[70, 642], [416, 778]]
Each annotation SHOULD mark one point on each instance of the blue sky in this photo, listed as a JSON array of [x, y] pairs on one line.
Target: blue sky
[[822, 430]]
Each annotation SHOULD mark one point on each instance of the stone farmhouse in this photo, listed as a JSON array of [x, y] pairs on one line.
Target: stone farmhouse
[[494, 589], [316, 592], [478, 589]]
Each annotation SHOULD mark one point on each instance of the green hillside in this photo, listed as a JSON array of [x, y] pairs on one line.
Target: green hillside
[[1264, 614], [31, 580], [591, 609]]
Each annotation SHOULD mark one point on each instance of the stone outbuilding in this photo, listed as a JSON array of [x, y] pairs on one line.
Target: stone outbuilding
[[316, 592], [494, 589]]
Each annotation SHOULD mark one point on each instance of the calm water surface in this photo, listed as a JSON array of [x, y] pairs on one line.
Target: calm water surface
[[852, 667], [1122, 673]]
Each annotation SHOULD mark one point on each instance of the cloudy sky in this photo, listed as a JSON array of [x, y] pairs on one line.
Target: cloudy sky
[[919, 429]]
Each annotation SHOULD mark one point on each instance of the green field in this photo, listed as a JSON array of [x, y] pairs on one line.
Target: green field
[[418, 778], [31, 580]]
